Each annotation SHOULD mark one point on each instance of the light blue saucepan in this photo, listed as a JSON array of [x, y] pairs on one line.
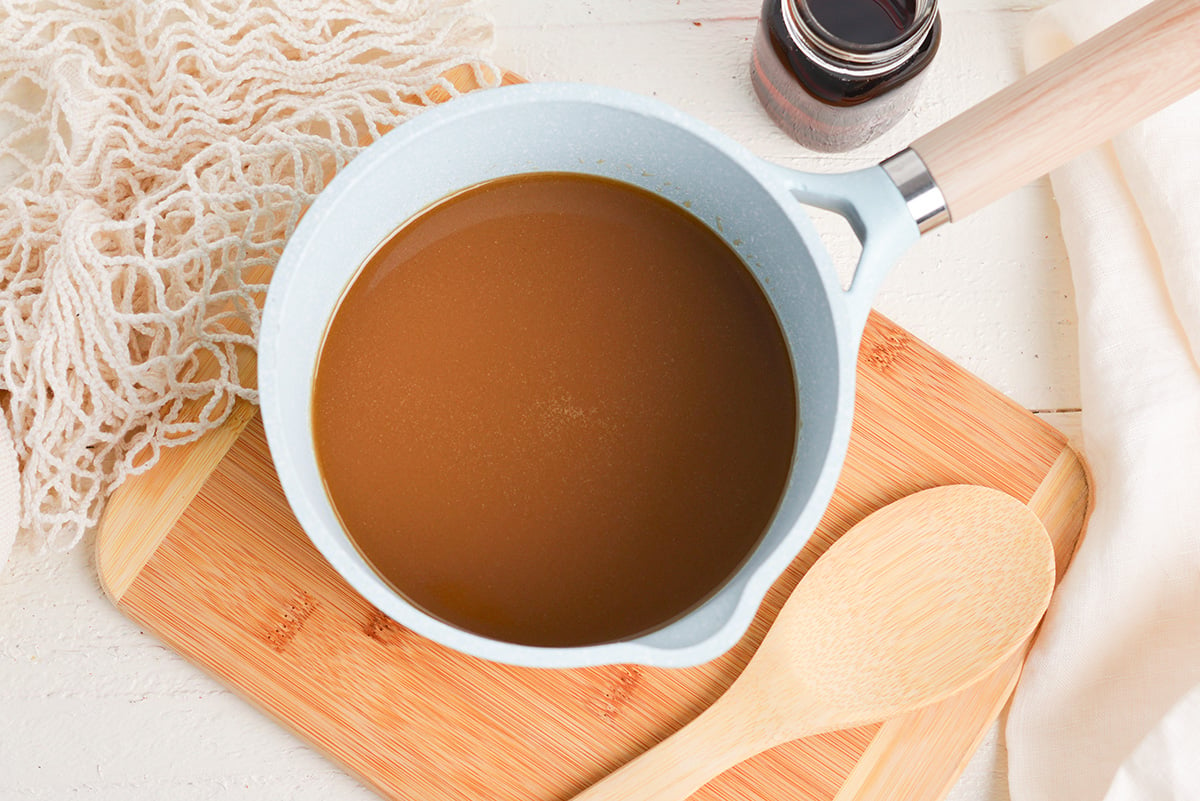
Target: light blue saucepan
[[754, 206]]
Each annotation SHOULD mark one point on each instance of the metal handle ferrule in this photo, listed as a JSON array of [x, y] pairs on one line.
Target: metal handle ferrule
[[921, 194]]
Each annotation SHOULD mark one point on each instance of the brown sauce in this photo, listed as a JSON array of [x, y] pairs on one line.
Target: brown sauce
[[555, 410], [868, 23]]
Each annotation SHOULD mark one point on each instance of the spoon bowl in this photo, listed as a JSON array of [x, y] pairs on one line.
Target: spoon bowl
[[918, 601]]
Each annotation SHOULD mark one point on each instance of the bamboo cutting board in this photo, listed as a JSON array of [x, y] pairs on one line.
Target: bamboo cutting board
[[203, 551]]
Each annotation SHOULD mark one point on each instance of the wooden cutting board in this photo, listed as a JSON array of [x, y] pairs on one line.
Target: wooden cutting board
[[203, 551]]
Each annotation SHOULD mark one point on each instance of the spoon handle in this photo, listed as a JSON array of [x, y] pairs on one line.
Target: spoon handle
[[718, 739]]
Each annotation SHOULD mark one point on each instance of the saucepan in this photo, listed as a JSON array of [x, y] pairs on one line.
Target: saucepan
[[1140, 65]]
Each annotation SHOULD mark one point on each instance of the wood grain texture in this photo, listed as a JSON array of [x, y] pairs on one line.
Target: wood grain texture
[[234, 585], [918, 601], [886, 770], [1138, 66]]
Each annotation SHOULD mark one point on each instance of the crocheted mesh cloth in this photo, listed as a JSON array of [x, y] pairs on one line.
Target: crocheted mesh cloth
[[155, 155]]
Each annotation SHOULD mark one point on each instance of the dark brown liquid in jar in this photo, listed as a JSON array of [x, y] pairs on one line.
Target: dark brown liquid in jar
[[866, 23], [835, 74], [555, 410]]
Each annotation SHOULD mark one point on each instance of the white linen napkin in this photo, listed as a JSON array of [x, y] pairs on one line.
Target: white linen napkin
[[1109, 704]]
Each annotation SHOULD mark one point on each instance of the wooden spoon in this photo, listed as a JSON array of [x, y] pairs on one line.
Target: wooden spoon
[[916, 602]]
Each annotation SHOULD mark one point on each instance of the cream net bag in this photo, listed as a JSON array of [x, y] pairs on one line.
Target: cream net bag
[[154, 157]]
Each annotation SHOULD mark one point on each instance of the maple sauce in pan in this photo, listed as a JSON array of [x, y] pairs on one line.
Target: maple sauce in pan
[[555, 410]]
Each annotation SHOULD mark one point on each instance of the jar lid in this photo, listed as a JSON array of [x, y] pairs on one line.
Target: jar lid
[[862, 38]]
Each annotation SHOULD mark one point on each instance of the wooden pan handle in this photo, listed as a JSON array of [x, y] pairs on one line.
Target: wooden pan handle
[[1097, 89]]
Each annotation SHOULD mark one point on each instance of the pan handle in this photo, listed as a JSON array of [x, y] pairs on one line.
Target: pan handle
[[877, 213], [1081, 99]]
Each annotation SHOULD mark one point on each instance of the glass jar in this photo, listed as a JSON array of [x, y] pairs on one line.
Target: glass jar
[[835, 74]]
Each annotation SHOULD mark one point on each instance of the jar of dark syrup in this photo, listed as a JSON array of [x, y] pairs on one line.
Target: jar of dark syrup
[[835, 74]]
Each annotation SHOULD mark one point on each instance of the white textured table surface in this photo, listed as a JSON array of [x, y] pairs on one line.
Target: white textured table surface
[[92, 707]]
